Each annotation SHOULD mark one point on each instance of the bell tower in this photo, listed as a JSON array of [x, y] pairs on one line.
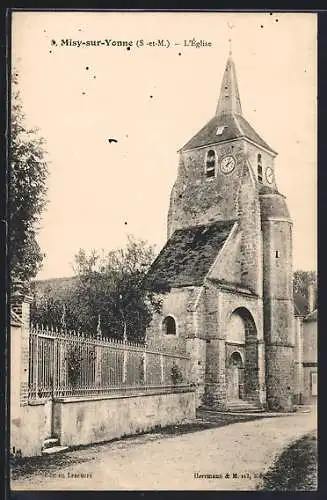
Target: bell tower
[[226, 172], [219, 175], [212, 163]]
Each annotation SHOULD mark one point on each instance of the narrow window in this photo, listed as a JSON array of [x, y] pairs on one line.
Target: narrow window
[[210, 166], [277, 254], [169, 325], [259, 162]]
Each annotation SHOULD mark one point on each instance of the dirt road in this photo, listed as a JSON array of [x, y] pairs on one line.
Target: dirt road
[[234, 455]]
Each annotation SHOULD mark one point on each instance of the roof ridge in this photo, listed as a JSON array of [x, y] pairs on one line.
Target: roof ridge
[[252, 130], [236, 127], [188, 254], [197, 133], [232, 219], [235, 116]]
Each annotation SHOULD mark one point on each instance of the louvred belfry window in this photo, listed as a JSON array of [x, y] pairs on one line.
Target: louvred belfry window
[[259, 159], [210, 166]]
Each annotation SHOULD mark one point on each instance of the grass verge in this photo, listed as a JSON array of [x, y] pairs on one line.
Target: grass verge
[[296, 469]]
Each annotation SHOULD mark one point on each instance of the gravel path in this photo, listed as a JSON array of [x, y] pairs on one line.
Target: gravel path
[[154, 462]]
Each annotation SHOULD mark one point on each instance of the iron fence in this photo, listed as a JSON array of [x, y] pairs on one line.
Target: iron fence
[[63, 363]]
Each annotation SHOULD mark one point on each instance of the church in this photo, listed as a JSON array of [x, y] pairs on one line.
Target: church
[[226, 267]]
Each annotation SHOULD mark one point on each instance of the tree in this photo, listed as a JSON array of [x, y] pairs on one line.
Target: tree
[[54, 307], [27, 192], [301, 281], [107, 284]]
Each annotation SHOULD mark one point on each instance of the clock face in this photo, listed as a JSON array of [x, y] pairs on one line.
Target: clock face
[[227, 164], [269, 175]]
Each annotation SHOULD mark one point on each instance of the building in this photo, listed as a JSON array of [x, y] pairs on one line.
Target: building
[[306, 349], [227, 265]]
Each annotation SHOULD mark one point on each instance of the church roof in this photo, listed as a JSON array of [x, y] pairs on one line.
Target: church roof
[[273, 204], [188, 255], [228, 115], [229, 97], [235, 126]]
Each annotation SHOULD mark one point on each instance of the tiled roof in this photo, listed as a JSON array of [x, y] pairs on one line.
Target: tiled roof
[[273, 205], [235, 126], [188, 255]]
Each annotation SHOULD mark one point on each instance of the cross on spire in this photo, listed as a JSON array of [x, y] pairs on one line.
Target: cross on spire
[[230, 27], [230, 46]]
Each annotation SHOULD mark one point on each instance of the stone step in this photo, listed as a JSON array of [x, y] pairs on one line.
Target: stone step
[[241, 406], [245, 410], [241, 403], [54, 449], [50, 442], [237, 408]]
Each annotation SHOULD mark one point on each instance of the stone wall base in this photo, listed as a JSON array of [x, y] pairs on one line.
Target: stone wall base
[[80, 421]]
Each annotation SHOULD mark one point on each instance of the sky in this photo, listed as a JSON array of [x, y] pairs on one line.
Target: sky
[[152, 100]]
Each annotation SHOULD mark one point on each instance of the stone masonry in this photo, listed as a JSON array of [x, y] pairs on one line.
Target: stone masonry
[[227, 264]]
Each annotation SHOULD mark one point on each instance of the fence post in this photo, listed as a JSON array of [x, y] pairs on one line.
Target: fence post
[[98, 364], [162, 369], [144, 366], [125, 360], [36, 364], [55, 367]]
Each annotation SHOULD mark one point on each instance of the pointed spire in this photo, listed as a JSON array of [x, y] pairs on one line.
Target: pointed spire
[[229, 100]]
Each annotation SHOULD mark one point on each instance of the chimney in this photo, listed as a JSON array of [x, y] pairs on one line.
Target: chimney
[[311, 296]]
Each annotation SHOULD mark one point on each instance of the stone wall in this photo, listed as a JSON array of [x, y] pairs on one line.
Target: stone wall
[[79, 421], [196, 349], [186, 306], [15, 348], [310, 360], [267, 160], [278, 311], [278, 277], [280, 377], [310, 341], [309, 397], [180, 304], [202, 317], [196, 199], [298, 360], [227, 267], [28, 424], [220, 306], [250, 228], [30, 428]]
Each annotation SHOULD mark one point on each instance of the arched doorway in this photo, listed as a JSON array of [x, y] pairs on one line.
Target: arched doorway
[[242, 376], [235, 377]]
